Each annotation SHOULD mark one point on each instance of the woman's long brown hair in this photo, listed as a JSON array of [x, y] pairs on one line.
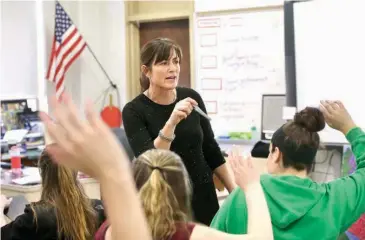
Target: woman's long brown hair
[[165, 191], [76, 218]]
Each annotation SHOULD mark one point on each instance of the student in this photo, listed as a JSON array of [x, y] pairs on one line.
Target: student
[[165, 192], [90, 146], [299, 207], [162, 117], [63, 212]]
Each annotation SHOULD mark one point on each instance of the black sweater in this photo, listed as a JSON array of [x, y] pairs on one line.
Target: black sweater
[[24, 226], [194, 143]]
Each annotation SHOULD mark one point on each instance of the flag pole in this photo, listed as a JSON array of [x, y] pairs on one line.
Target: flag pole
[[101, 67]]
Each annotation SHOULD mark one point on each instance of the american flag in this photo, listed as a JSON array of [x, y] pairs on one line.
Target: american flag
[[67, 46]]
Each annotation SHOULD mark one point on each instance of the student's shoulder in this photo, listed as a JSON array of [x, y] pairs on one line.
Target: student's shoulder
[[232, 212], [43, 213], [22, 223], [236, 199]]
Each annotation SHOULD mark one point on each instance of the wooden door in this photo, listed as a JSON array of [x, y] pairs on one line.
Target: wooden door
[[177, 30]]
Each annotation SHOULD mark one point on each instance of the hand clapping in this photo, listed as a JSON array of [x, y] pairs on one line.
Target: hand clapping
[[244, 172]]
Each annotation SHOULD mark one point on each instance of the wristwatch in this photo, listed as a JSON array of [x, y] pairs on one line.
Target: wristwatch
[[168, 139]]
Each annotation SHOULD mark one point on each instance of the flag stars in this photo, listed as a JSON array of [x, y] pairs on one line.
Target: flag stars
[[69, 43], [62, 22]]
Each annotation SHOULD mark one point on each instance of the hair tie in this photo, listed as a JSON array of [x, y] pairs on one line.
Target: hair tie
[[156, 168]]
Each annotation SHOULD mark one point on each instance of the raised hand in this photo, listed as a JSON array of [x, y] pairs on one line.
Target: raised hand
[[337, 116], [88, 146], [244, 172], [182, 110]]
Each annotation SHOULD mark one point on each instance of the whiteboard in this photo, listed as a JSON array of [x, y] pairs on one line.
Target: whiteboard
[[238, 58], [221, 5], [330, 51]]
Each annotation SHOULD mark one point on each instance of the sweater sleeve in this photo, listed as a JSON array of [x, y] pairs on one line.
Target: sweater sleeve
[[350, 190], [136, 130], [211, 149]]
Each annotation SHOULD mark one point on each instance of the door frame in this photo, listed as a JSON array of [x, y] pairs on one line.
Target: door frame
[[133, 46]]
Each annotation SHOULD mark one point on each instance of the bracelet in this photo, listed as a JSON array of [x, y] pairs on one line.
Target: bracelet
[[168, 139]]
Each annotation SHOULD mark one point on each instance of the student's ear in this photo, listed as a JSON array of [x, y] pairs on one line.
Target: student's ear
[[276, 155], [145, 70]]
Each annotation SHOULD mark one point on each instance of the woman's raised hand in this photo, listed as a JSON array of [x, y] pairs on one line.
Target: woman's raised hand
[[88, 146], [182, 110]]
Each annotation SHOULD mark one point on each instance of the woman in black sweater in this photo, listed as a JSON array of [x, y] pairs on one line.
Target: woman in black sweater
[[64, 211], [163, 117]]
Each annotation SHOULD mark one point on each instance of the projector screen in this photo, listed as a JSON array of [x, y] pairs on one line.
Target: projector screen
[[330, 57]]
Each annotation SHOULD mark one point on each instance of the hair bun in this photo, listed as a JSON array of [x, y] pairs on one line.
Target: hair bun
[[311, 119]]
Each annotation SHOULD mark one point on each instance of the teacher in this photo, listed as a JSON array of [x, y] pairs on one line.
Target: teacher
[[162, 117]]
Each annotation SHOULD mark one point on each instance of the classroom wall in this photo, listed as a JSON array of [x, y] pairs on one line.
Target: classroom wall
[[17, 48], [101, 23]]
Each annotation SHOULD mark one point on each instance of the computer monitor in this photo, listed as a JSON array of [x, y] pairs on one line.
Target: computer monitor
[[15, 113], [272, 114]]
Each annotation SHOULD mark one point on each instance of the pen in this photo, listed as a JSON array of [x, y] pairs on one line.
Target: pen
[[202, 113]]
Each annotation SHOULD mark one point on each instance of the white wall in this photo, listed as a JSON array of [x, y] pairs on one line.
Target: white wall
[[18, 50], [102, 24]]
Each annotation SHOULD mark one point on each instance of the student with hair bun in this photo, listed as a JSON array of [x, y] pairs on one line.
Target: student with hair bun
[[299, 207]]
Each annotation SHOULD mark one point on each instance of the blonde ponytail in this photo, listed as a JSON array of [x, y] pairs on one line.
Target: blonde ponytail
[[160, 206], [164, 189]]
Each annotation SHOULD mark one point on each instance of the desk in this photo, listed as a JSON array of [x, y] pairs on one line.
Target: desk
[[33, 193], [29, 159]]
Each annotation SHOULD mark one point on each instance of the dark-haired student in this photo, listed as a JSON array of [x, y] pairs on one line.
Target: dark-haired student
[[162, 117], [299, 207], [63, 212]]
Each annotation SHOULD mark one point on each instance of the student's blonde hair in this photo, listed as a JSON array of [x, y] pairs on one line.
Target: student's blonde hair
[[165, 190], [63, 195]]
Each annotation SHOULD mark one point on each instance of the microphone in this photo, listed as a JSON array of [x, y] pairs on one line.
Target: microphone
[[196, 108]]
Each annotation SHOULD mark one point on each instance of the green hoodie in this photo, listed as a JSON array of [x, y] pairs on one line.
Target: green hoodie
[[301, 208]]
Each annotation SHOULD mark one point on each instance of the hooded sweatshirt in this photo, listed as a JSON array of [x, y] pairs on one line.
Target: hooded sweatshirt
[[301, 208]]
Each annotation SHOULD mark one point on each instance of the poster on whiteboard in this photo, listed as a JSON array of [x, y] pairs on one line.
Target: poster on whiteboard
[[239, 57]]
